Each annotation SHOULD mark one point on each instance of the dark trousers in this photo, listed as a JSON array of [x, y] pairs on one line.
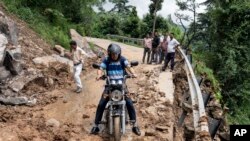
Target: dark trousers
[[162, 54], [154, 55], [169, 57], [102, 104], [147, 52]]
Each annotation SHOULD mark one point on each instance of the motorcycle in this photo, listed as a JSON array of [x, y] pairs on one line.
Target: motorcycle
[[115, 115]]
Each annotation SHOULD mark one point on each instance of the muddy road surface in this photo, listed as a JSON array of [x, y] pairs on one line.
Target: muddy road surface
[[62, 114]]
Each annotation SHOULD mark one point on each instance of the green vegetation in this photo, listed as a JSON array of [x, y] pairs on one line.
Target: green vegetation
[[202, 69], [220, 40], [52, 19]]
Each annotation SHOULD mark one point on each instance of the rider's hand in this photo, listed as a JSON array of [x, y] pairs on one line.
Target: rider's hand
[[98, 77]]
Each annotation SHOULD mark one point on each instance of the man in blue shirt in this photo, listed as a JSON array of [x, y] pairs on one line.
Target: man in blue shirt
[[115, 66]]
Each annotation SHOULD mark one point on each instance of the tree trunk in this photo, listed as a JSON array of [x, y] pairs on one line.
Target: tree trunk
[[154, 21], [156, 5]]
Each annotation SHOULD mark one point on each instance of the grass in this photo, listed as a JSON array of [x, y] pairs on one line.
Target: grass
[[51, 32], [242, 116], [202, 69]]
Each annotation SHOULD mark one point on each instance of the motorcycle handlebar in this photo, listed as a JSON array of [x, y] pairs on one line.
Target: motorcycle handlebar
[[104, 77]]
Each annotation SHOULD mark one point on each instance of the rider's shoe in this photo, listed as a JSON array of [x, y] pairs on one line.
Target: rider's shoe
[[136, 130], [95, 130], [78, 90]]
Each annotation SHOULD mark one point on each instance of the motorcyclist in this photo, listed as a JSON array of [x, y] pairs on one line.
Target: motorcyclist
[[115, 66]]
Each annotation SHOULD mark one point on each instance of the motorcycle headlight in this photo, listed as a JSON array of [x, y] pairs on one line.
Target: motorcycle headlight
[[116, 95]]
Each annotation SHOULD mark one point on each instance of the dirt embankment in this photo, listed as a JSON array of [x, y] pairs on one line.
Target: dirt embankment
[[214, 109]]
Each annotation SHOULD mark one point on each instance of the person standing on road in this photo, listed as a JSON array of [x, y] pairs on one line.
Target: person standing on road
[[147, 43], [78, 59], [172, 45], [155, 44], [163, 46]]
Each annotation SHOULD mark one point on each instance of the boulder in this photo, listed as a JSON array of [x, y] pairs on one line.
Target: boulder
[[59, 49], [12, 60], [47, 60], [3, 42], [9, 28], [17, 101], [20, 81], [82, 43], [4, 74]]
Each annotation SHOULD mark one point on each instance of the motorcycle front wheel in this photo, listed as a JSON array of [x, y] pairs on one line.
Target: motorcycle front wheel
[[117, 128]]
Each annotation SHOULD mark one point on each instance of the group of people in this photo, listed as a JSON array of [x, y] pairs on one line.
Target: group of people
[[159, 49]]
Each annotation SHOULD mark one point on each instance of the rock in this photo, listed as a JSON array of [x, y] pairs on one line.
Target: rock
[[143, 112], [17, 101], [161, 99], [150, 132], [161, 128], [152, 112], [21, 80], [217, 104], [72, 139], [59, 49], [187, 107], [31, 102], [189, 131], [85, 116], [224, 136], [12, 60], [217, 113], [50, 82], [82, 43], [2, 14], [162, 94], [153, 88], [3, 42], [4, 74], [47, 60], [52, 123], [8, 134], [9, 28]]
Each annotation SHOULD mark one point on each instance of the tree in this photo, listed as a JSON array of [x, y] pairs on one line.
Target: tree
[[155, 6], [131, 25], [121, 7], [226, 26], [191, 6], [161, 24]]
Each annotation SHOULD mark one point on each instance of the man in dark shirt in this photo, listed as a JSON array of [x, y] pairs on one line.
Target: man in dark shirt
[[155, 44]]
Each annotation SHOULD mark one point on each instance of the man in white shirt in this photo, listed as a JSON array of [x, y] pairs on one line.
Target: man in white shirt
[[78, 58], [172, 45]]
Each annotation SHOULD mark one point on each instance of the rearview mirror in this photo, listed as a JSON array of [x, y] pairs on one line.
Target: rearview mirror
[[96, 66], [134, 63]]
